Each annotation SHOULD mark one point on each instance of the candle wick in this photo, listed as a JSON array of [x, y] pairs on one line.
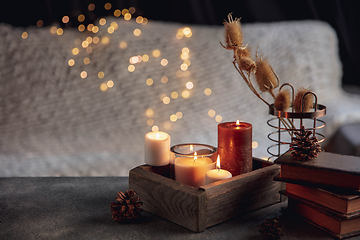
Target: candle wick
[[218, 168]]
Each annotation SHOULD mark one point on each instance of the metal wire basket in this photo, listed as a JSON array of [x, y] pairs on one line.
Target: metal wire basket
[[283, 134]]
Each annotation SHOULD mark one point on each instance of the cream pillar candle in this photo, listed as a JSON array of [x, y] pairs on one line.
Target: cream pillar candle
[[192, 170], [157, 148], [217, 174]]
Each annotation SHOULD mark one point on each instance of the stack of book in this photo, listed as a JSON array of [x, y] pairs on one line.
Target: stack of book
[[325, 191]]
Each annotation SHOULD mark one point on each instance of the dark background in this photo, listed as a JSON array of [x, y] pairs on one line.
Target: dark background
[[342, 15]]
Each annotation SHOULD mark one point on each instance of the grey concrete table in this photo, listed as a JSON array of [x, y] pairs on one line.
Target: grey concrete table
[[79, 208]]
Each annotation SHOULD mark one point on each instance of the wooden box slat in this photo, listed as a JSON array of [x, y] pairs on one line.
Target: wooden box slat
[[197, 209]]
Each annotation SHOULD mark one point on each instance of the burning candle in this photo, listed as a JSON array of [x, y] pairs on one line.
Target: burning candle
[[157, 148], [217, 174], [234, 146], [192, 170]]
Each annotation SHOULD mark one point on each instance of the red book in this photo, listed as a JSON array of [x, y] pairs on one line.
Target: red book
[[327, 169]]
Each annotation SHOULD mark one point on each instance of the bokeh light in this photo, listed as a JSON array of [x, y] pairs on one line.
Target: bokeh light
[[53, 29], [164, 62], [145, 57], [189, 85], [173, 118], [174, 95], [91, 7], [183, 67], [110, 83], [156, 53], [132, 10], [101, 74], [71, 62], [83, 74], [39, 23], [185, 94], [65, 19], [127, 16], [139, 19], [254, 144], [75, 51], [96, 40], [137, 32], [166, 100], [102, 21], [88, 49], [105, 40], [24, 35], [211, 113], [81, 27], [150, 122], [117, 13], [81, 18], [124, 11], [90, 27], [131, 68], [149, 81], [164, 79], [110, 30], [218, 118], [122, 45], [107, 6], [207, 91], [149, 112], [95, 29], [103, 87], [86, 61], [179, 115]]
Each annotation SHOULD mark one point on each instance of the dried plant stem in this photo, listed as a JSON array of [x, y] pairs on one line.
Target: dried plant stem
[[248, 82]]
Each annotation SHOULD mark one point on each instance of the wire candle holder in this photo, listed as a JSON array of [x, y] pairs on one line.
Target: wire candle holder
[[295, 118]]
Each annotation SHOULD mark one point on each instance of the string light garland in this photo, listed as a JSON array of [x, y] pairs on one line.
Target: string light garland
[[92, 37]]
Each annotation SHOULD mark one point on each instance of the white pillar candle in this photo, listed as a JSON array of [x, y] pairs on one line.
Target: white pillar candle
[[157, 148], [217, 174], [192, 170]]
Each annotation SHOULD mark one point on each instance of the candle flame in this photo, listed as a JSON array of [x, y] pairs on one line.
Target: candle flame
[[191, 148], [237, 122], [195, 156], [218, 163], [157, 136]]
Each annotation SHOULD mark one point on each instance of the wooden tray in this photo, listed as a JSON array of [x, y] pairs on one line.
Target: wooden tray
[[199, 208]]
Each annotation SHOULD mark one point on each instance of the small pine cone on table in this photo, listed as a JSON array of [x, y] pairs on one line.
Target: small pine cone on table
[[127, 207], [304, 147], [271, 229]]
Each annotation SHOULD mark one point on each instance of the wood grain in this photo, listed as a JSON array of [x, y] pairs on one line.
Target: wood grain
[[241, 194], [169, 199], [197, 209]]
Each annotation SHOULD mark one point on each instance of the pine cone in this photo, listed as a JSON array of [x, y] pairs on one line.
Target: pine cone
[[271, 229], [304, 147], [127, 207]]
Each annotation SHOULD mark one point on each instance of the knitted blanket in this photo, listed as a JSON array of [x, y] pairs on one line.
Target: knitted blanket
[[89, 118]]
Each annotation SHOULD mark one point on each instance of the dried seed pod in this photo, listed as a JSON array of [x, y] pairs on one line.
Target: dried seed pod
[[265, 76], [283, 100], [244, 60], [299, 98], [233, 33]]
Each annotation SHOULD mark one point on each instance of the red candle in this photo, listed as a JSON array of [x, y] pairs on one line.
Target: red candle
[[235, 147]]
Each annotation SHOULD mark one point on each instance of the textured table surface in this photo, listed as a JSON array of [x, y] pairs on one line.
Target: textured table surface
[[79, 208]]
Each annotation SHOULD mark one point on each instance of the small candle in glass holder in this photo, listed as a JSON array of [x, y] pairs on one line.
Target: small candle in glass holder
[[192, 162], [217, 174]]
